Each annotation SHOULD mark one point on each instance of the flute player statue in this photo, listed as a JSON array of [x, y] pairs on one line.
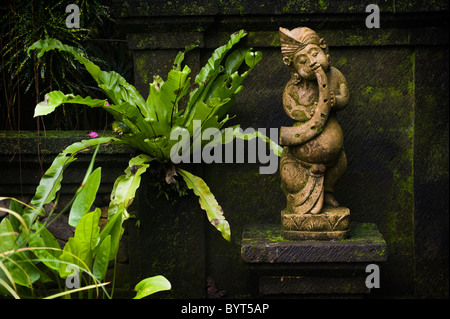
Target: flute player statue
[[313, 157]]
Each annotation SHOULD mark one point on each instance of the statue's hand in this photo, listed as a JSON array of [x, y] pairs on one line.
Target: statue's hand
[[340, 99]]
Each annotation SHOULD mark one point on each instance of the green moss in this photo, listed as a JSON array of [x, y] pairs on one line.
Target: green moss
[[274, 237], [259, 232], [52, 142], [302, 6], [233, 5], [364, 231], [412, 81], [383, 38], [49, 134], [141, 67], [359, 232], [398, 103], [144, 8], [323, 4], [264, 38], [341, 62], [144, 42], [354, 39]]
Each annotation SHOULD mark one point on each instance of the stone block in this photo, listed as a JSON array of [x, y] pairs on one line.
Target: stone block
[[289, 285], [264, 244]]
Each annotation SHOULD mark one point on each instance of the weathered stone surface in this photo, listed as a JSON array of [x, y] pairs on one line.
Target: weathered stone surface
[[431, 158], [152, 8], [164, 40], [295, 285], [264, 244], [168, 240]]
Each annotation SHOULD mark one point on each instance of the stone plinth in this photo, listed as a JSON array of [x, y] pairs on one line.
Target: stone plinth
[[312, 268]]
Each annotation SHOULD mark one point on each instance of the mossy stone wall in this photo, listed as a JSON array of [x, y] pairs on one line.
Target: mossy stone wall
[[395, 126]]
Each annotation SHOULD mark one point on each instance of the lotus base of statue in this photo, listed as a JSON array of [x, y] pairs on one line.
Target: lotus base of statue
[[330, 224]]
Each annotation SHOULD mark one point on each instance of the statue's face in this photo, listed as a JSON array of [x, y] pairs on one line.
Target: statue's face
[[309, 59]]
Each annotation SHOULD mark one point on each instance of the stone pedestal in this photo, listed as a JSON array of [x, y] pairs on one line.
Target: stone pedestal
[[311, 269]]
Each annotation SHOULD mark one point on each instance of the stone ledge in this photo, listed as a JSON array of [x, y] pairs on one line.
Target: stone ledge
[[52, 142], [264, 244], [154, 8]]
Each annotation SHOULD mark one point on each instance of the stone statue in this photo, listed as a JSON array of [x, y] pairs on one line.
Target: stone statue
[[313, 157]]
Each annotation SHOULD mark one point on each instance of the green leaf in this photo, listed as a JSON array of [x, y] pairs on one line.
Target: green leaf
[[85, 198], [153, 97], [102, 258], [117, 89], [114, 229], [7, 236], [237, 133], [74, 253], [219, 83], [208, 202], [235, 60], [22, 269], [180, 56], [150, 286], [87, 230], [108, 80], [125, 186], [122, 195], [48, 250], [56, 98], [6, 288], [50, 183], [253, 58], [16, 262], [208, 74], [217, 56], [79, 250], [15, 206], [172, 91], [130, 115]]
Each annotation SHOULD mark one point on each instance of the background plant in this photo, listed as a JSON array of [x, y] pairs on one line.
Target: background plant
[[31, 258], [25, 80], [148, 124]]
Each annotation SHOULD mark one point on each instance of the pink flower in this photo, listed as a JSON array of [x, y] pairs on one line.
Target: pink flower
[[107, 104], [93, 134]]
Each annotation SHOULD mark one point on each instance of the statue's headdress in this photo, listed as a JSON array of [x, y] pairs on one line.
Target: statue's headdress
[[297, 39]]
